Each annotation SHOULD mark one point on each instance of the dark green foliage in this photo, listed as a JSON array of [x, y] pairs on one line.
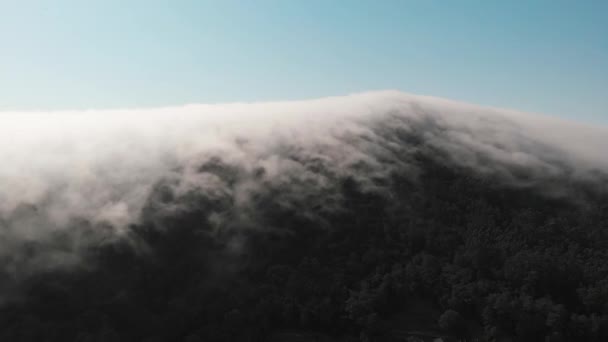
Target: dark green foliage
[[498, 261], [451, 321]]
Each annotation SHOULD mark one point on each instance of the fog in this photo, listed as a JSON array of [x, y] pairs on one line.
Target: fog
[[79, 173]]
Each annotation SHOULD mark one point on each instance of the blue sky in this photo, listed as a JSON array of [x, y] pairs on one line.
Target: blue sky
[[542, 56]]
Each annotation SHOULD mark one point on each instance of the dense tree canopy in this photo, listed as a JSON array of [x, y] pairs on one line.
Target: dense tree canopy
[[488, 259]]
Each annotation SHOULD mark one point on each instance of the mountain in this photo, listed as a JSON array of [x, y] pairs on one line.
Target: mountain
[[379, 216]]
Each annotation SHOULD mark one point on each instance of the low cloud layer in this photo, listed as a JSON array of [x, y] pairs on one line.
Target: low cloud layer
[[73, 174]]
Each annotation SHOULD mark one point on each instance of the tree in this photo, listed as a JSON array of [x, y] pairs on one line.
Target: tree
[[451, 321]]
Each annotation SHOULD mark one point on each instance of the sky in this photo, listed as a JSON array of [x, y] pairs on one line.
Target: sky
[[541, 56]]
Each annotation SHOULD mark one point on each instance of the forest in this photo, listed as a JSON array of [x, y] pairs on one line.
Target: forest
[[454, 252]]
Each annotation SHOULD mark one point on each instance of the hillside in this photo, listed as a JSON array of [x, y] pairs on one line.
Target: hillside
[[372, 217]]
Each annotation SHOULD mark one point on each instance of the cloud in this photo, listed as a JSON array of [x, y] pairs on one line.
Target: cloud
[[66, 174]]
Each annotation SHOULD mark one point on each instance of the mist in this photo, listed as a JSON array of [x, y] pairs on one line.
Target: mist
[[338, 215], [89, 175]]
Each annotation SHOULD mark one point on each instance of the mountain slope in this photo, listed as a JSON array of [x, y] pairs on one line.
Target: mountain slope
[[341, 216]]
